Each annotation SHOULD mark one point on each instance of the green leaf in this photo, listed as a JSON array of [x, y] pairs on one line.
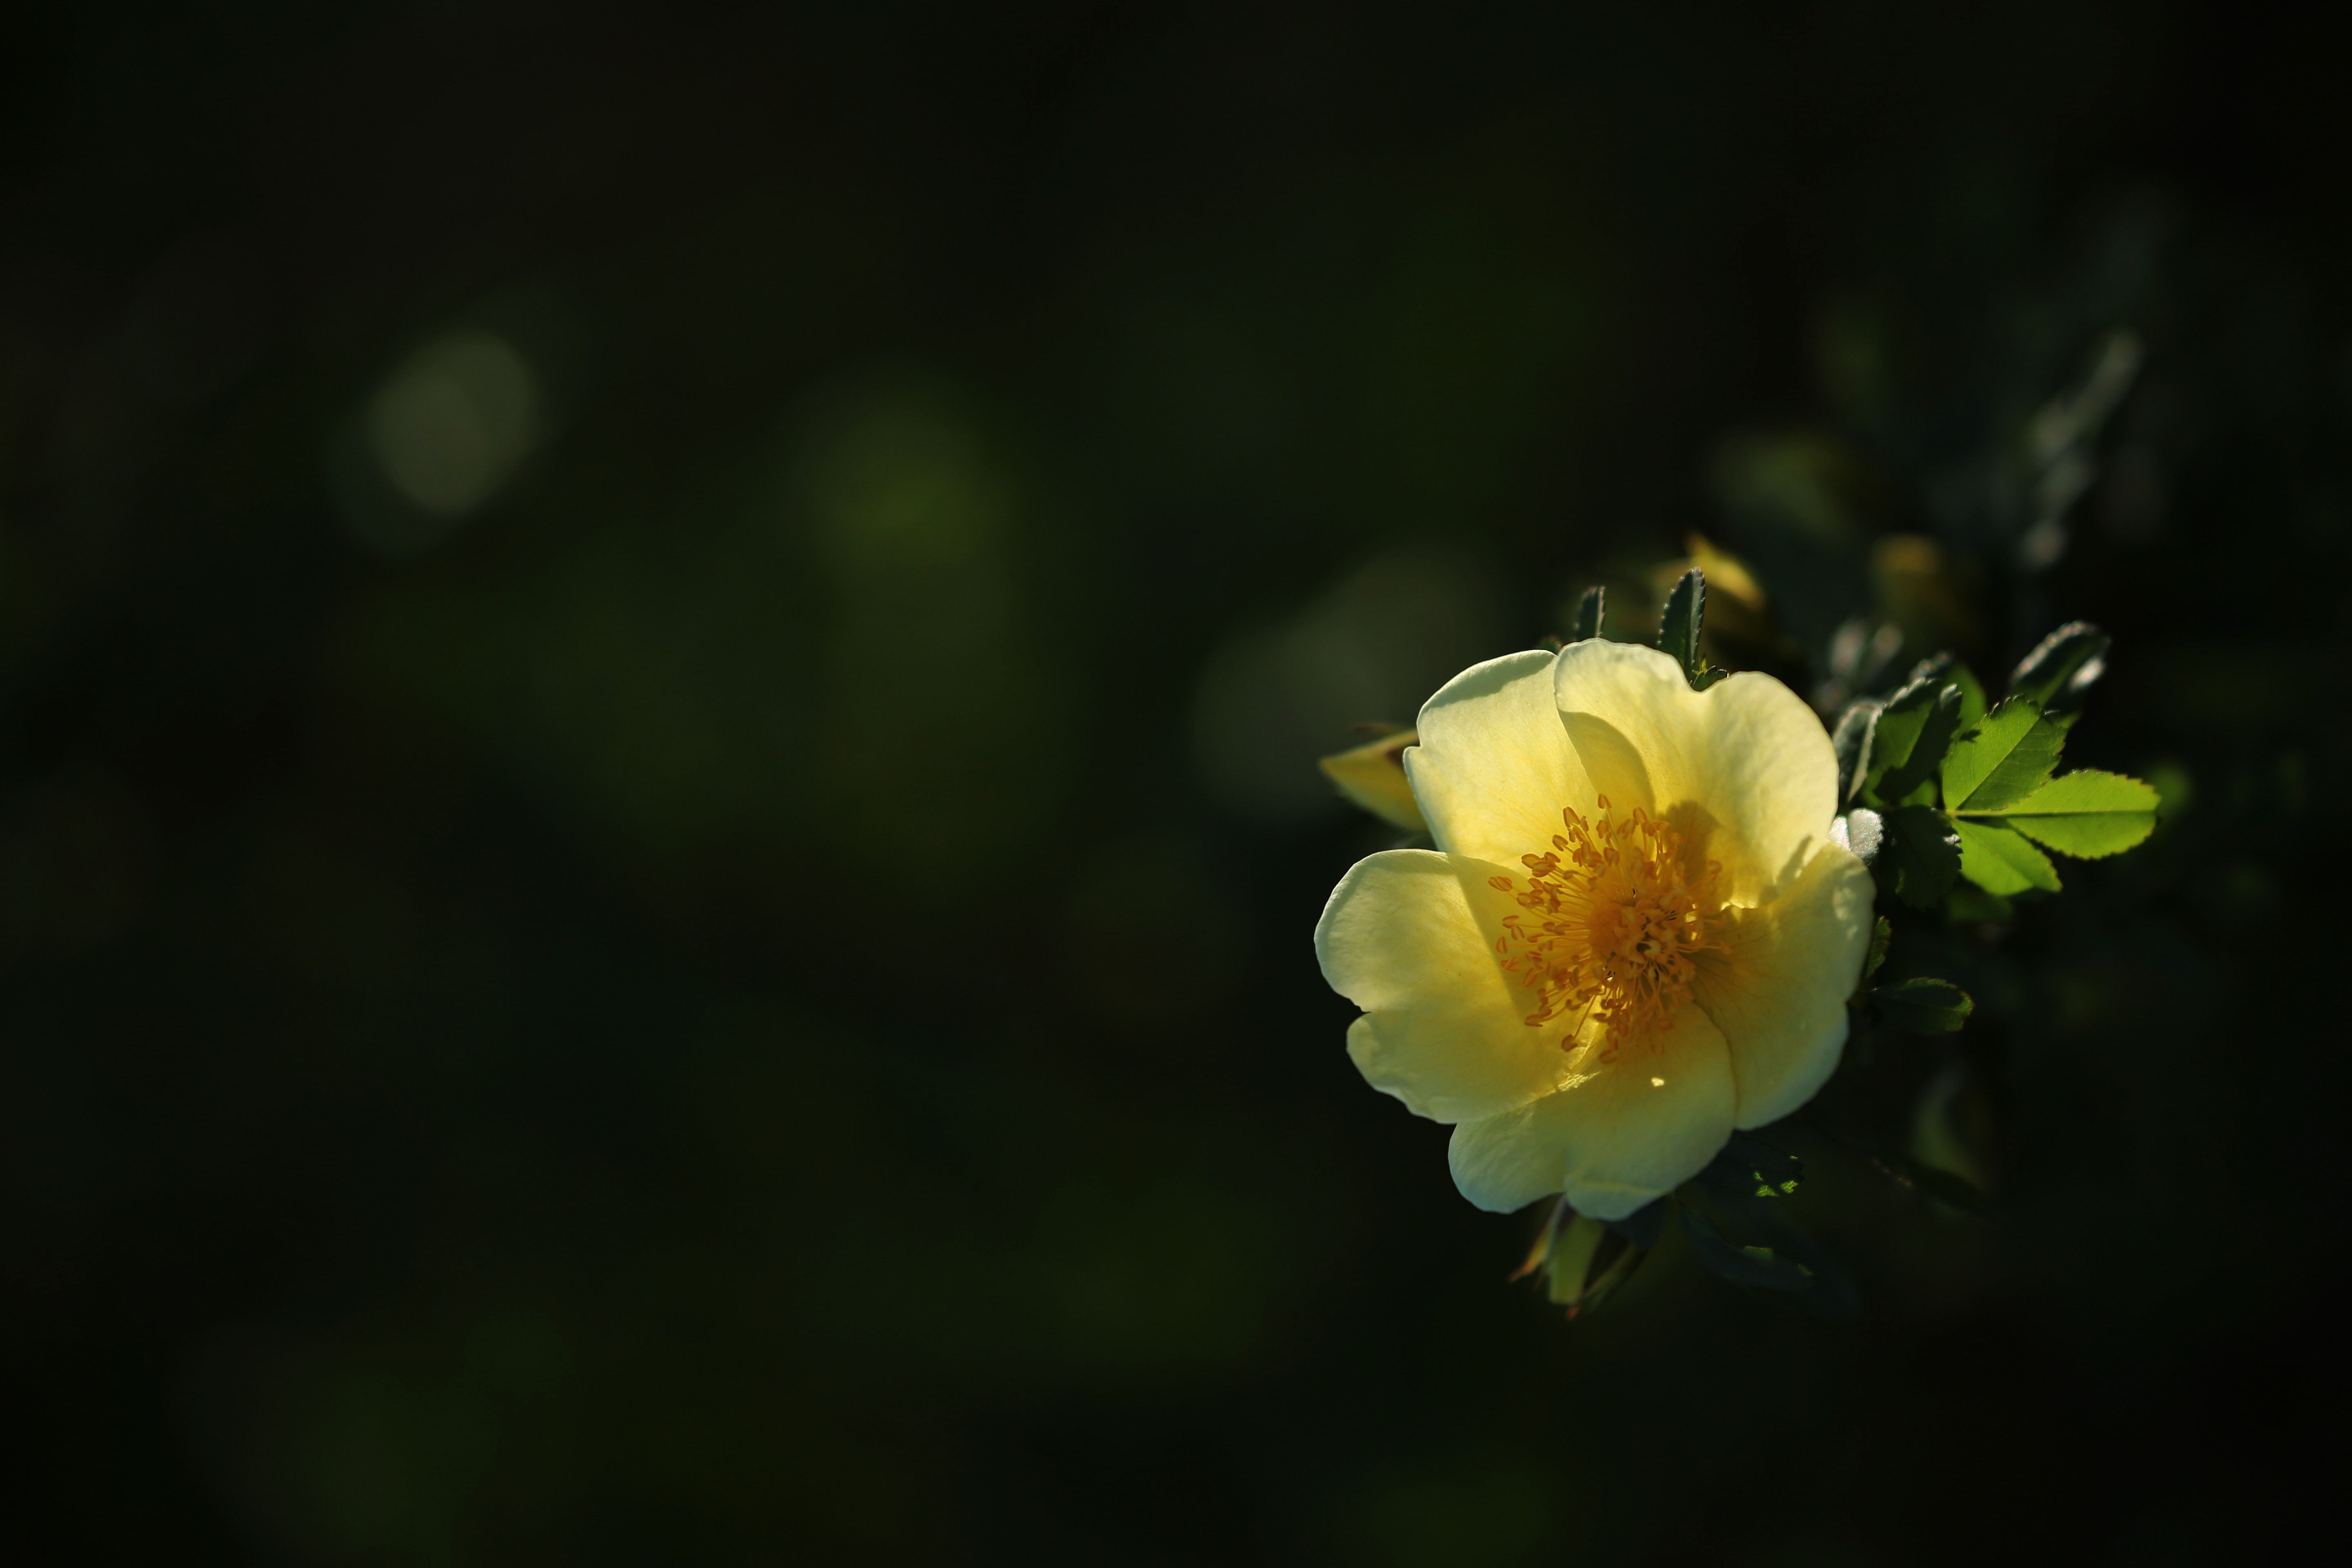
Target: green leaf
[[1678, 628], [1936, 732], [2086, 814], [1851, 741], [1920, 855], [1923, 1004], [1897, 729], [1946, 669], [1747, 1167], [2000, 759], [1743, 1199], [1588, 615], [2000, 861], [2061, 668], [1972, 694], [1758, 1265]]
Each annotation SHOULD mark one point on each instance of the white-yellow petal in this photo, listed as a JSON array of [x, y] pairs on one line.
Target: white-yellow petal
[[1743, 769], [1619, 1134], [1494, 767], [1778, 993], [1409, 936]]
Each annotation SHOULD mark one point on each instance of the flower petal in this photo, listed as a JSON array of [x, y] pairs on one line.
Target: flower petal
[[1778, 995], [1494, 766], [1618, 1135], [1743, 766], [1409, 936]]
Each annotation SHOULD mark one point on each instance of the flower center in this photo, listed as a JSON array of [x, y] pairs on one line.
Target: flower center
[[1611, 921]]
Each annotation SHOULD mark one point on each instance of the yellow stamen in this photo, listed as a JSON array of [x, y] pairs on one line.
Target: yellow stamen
[[1613, 920]]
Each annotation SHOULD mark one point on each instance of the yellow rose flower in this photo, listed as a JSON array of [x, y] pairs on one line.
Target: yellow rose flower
[[1635, 934]]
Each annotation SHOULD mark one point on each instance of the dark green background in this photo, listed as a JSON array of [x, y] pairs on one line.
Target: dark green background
[[750, 1002]]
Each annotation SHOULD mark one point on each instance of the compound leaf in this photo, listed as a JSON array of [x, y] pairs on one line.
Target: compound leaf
[[1999, 860], [2000, 759], [2086, 814]]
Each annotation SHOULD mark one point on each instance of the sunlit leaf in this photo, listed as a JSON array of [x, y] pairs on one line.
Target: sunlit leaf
[[1972, 694], [2086, 814], [2000, 861], [2000, 759]]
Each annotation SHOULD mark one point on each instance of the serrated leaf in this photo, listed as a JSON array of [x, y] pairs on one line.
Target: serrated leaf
[[1999, 860], [1758, 1265], [1678, 628], [1927, 749], [1923, 1004], [1897, 729], [1852, 743], [2062, 667], [1588, 615], [2086, 814], [1943, 670], [1882, 937], [1920, 855], [1972, 694], [1708, 677], [2000, 759]]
